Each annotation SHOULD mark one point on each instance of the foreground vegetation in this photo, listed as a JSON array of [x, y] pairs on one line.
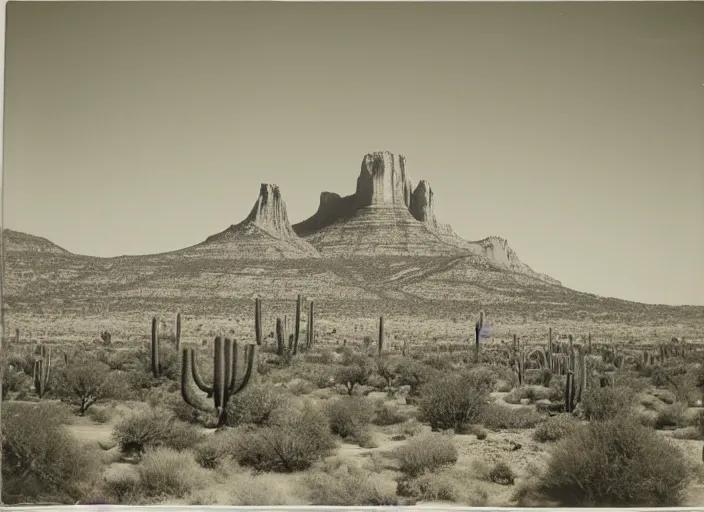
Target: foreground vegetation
[[285, 420]]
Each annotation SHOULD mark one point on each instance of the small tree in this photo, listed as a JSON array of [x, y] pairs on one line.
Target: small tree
[[386, 371], [352, 376], [84, 384]]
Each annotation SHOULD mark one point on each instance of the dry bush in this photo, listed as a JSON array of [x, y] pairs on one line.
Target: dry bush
[[262, 490], [615, 463], [349, 418], [426, 452], [353, 375], [672, 416], [298, 435], [347, 485], [254, 405], [502, 474], [387, 414], [41, 461], [532, 393], [154, 428], [555, 428], [414, 374], [443, 485], [498, 417], [215, 449], [167, 472], [123, 489], [601, 404], [451, 401]]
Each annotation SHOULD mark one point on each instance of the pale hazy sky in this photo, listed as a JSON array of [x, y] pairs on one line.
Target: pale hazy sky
[[575, 131]]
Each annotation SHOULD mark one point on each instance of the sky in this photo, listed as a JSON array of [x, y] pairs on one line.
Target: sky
[[573, 130]]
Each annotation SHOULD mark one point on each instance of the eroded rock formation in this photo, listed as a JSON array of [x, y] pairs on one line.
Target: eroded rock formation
[[383, 180], [421, 206], [265, 233]]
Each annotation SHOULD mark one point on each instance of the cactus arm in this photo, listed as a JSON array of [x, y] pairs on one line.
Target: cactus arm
[[258, 320], [187, 360], [250, 354], [196, 374], [228, 371]]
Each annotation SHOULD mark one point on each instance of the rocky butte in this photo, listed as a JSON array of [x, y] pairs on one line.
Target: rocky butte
[[386, 215], [265, 233]]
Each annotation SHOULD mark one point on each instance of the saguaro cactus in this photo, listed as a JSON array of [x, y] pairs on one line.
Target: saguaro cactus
[[177, 333], [280, 343], [477, 332], [225, 375], [258, 320], [156, 366], [569, 391], [297, 328], [381, 335], [309, 334], [41, 370]]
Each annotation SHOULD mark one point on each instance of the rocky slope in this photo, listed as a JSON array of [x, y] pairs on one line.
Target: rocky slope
[[266, 233]]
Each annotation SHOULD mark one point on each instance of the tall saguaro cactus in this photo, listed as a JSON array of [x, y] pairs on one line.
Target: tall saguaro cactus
[[280, 343], [381, 335], [226, 381], [156, 366], [309, 334], [477, 332], [258, 320], [41, 371], [550, 350], [297, 328], [177, 333]]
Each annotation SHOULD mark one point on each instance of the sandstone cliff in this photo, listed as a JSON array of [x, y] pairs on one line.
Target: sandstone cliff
[[265, 234], [380, 218]]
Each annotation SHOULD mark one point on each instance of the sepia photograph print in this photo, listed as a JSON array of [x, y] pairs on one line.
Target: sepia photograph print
[[297, 254]]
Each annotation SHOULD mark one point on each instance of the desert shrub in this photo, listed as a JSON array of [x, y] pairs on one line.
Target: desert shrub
[[349, 418], [453, 400], [545, 377], [387, 414], [41, 461], [532, 393], [386, 369], [423, 452], [355, 374], [671, 416], [86, 383], [555, 428], [600, 404], [122, 489], [300, 387], [296, 437], [161, 397], [14, 381], [430, 486], [215, 449], [253, 406], [347, 485], [502, 474], [414, 374], [261, 490], [100, 415], [498, 417], [615, 463], [167, 472], [154, 428]]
